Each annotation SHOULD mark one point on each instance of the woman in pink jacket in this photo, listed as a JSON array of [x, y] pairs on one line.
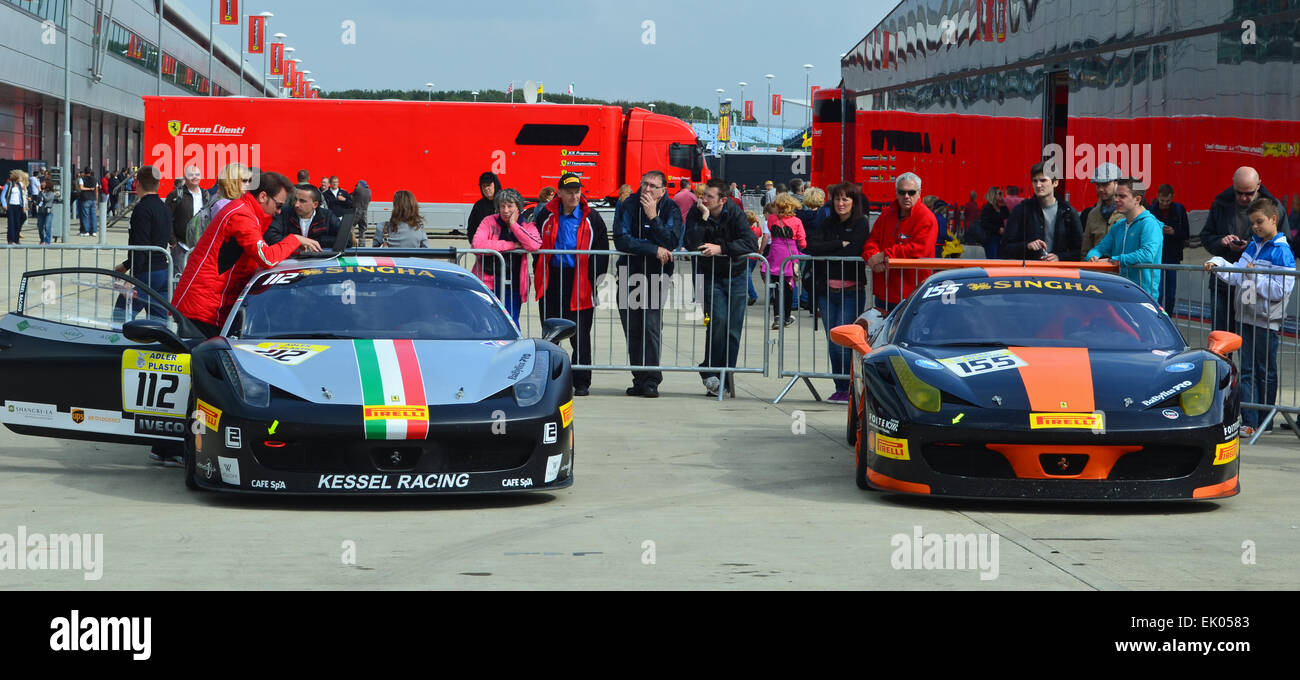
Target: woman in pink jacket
[[504, 232], [788, 239]]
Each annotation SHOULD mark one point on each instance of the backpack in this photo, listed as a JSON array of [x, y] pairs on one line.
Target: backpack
[[199, 223]]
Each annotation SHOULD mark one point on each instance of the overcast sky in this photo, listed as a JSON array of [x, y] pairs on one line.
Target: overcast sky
[[604, 47]]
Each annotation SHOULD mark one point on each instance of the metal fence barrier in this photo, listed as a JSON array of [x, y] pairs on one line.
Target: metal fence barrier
[[1263, 311], [827, 308], [20, 259]]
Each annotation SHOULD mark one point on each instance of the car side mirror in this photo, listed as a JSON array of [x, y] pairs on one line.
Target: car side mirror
[[152, 330], [558, 330], [1224, 343], [851, 336]]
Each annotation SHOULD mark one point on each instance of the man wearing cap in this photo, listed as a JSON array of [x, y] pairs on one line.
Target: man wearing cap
[[566, 284], [769, 192], [1098, 219], [1227, 232]]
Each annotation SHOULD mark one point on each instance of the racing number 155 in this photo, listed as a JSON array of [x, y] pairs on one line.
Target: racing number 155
[[986, 364], [148, 393]]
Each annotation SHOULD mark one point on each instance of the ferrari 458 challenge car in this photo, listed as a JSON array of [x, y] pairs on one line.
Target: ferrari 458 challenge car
[[1040, 384], [352, 375]]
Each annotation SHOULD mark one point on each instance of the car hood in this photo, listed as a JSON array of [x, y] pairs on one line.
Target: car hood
[[364, 372], [1056, 379]]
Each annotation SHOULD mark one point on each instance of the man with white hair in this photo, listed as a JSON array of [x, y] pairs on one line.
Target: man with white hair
[[1227, 232], [905, 229]]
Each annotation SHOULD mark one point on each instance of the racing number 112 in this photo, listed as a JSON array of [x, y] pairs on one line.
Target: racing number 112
[[152, 393]]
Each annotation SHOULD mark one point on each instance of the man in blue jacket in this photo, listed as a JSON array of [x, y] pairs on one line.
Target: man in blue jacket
[[648, 226], [1139, 239]]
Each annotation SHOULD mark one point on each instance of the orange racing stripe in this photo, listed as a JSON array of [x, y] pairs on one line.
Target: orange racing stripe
[[1057, 379], [886, 482]]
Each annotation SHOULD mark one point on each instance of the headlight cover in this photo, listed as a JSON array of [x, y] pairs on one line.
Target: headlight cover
[[532, 387], [252, 391], [922, 395], [1198, 399]]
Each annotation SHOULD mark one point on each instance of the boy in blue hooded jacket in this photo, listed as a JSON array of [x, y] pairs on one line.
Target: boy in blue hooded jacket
[[1139, 239]]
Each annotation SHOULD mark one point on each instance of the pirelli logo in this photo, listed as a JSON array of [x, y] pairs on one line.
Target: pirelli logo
[[1226, 452], [1066, 421], [396, 412], [209, 414], [566, 414], [891, 447]]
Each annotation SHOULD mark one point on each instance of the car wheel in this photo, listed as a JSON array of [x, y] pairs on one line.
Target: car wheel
[[860, 475], [191, 469], [851, 430]]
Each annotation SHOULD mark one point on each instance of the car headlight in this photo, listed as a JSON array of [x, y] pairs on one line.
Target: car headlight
[[253, 391], [922, 395], [1198, 399], [532, 387]]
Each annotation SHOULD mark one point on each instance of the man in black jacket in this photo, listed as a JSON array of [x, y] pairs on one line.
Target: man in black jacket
[[1177, 231], [648, 225], [307, 218], [1227, 232], [1027, 235], [717, 228], [337, 200], [151, 225]]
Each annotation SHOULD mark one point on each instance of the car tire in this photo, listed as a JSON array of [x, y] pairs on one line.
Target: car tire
[[851, 428], [860, 474], [191, 465]]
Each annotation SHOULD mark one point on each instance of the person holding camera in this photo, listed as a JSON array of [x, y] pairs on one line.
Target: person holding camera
[[1226, 234]]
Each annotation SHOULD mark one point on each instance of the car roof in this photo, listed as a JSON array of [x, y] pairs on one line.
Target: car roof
[[368, 261], [1013, 268]]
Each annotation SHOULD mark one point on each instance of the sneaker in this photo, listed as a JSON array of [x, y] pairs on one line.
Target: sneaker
[[789, 320], [635, 391], [650, 391], [776, 325], [753, 301], [167, 460], [840, 397], [712, 384], [1247, 431]]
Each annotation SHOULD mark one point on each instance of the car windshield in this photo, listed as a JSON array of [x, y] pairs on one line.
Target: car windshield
[[342, 302], [1037, 312]]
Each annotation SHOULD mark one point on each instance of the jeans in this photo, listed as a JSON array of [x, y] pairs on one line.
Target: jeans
[[556, 304], [1258, 371], [727, 320], [753, 294], [86, 215], [16, 219], [141, 302], [508, 297], [43, 223], [1222, 299], [840, 307], [1169, 289], [992, 247]]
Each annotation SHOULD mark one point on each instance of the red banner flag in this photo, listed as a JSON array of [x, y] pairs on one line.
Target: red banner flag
[[884, 52], [986, 19], [749, 109], [277, 59], [288, 72], [189, 76], [256, 35], [776, 105], [229, 12]]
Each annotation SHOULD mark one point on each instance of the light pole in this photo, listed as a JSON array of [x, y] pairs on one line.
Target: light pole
[[742, 101], [475, 94], [266, 48], [652, 108], [807, 89], [66, 180], [769, 104], [430, 86], [280, 38]]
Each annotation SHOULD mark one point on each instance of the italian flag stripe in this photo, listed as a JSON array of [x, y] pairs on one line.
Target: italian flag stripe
[[390, 377], [366, 262]]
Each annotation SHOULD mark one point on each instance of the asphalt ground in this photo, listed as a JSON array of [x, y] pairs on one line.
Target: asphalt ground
[[682, 492]]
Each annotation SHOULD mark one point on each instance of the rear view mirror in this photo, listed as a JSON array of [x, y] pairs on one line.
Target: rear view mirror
[[1224, 343], [851, 336], [152, 330], [558, 330]]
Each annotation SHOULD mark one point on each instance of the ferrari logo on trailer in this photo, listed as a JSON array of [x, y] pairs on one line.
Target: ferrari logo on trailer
[[174, 127], [1066, 421]]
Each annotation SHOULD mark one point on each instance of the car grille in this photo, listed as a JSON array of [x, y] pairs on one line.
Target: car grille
[[980, 461], [967, 460], [446, 454], [1158, 462]]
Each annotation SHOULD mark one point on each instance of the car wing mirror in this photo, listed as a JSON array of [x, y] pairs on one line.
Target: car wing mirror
[[851, 336], [1224, 343], [558, 330], [152, 330]]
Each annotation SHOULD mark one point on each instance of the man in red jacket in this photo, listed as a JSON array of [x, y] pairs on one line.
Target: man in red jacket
[[906, 229], [232, 250]]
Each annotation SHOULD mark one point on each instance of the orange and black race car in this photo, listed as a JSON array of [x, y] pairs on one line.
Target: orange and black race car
[[1042, 383]]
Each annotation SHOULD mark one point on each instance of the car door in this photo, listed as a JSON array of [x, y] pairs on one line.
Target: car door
[[67, 371]]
